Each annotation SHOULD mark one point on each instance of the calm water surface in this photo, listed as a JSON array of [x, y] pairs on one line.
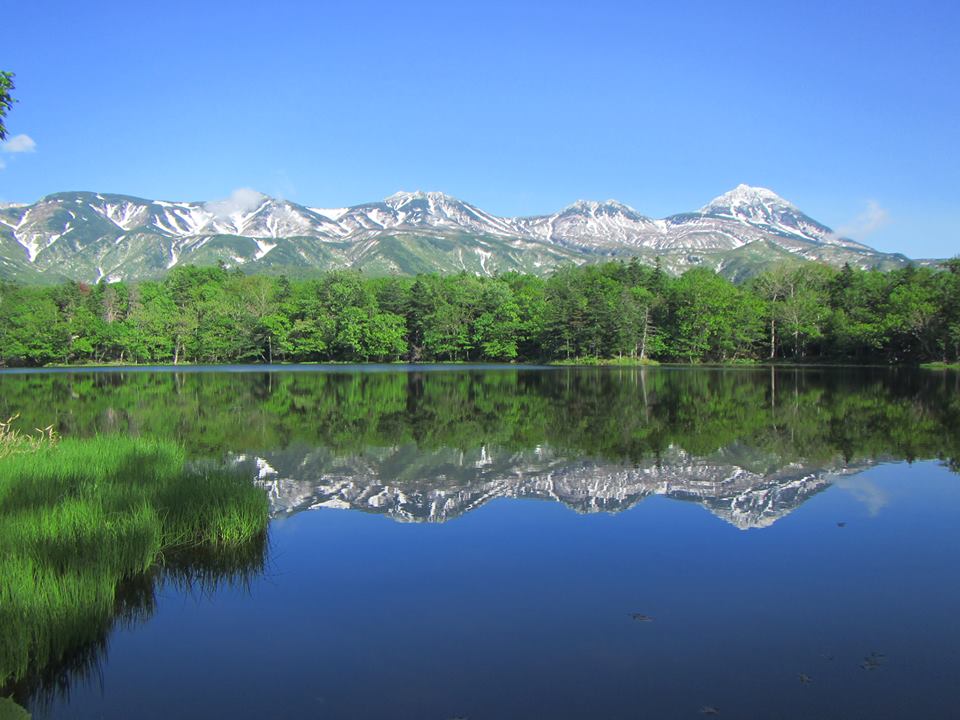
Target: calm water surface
[[473, 542]]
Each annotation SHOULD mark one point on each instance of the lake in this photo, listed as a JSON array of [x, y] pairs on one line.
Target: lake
[[508, 542]]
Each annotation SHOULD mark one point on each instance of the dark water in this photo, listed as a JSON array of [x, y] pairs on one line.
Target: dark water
[[472, 543]]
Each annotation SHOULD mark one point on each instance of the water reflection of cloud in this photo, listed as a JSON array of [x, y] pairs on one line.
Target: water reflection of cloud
[[865, 491]]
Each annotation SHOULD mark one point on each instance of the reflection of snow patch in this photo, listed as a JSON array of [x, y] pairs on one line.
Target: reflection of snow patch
[[333, 503], [264, 469], [485, 458]]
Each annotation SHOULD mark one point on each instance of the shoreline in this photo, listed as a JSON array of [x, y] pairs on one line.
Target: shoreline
[[463, 365]]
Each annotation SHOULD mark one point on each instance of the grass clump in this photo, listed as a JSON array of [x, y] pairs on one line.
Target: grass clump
[[9, 710], [84, 521], [593, 361], [12, 440]]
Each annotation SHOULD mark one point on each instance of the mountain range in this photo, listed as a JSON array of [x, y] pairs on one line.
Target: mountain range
[[95, 237]]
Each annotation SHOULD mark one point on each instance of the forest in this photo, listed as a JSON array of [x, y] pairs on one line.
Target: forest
[[622, 311]]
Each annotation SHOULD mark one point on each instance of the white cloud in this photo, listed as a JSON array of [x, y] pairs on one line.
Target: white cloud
[[240, 200], [19, 144], [867, 222]]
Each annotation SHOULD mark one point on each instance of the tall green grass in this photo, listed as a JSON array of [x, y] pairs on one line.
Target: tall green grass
[[86, 526], [13, 440]]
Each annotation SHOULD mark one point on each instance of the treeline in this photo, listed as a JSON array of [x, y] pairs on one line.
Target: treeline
[[614, 310]]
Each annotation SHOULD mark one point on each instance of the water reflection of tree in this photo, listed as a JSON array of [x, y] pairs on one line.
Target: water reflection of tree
[[622, 414], [198, 570]]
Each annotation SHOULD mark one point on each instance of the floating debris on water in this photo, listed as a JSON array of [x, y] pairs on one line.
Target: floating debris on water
[[709, 710], [640, 617], [841, 524], [805, 679]]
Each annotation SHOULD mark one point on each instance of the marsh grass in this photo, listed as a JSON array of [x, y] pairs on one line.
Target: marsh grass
[[88, 526], [593, 361], [13, 440]]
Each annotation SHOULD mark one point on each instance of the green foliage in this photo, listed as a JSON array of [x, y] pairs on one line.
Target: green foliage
[[6, 99], [9, 710], [80, 520], [614, 310]]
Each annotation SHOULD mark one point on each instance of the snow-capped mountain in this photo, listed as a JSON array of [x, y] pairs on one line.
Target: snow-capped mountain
[[422, 210], [758, 212], [591, 225], [93, 236]]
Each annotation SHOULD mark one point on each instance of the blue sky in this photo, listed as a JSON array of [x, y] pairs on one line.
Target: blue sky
[[848, 109]]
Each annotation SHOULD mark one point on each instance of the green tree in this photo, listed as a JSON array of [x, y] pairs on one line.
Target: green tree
[[714, 320], [153, 326], [6, 100], [950, 326], [858, 323], [497, 325], [32, 331], [914, 313], [529, 293]]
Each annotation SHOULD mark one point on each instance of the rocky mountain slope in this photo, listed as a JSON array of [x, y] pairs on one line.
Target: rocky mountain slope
[[93, 237]]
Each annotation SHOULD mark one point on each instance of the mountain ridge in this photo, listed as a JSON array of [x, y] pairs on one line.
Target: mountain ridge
[[95, 237]]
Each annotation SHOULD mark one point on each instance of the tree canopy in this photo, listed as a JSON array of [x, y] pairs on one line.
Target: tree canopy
[[6, 100], [615, 310]]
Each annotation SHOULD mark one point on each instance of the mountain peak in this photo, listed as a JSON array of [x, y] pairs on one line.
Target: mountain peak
[[592, 206], [747, 196], [91, 236], [401, 198]]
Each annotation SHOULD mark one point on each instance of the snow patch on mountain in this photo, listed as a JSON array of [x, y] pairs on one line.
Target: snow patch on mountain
[[263, 247], [330, 213], [472, 239], [748, 199]]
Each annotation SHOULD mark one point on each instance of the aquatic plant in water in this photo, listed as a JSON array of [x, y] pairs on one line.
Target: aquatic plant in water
[[87, 526]]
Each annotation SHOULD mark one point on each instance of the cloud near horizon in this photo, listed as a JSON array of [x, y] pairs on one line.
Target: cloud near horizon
[[19, 144], [240, 200], [866, 223]]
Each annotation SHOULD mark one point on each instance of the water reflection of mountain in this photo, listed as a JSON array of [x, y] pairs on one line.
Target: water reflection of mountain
[[754, 442], [745, 489]]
